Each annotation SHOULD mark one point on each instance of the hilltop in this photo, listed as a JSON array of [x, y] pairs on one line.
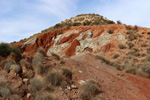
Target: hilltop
[[87, 57]]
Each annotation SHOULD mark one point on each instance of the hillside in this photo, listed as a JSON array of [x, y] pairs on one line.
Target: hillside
[[87, 57]]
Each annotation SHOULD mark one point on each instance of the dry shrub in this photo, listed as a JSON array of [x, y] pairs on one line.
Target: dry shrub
[[3, 81], [110, 31], [24, 63], [89, 90], [131, 70], [140, 72], [42, 51], [148, 50], [144, 45], [103, 59], [5, 92], [15, 97], [115, 56], [36, 84], [37, 58], [54, 78], [147, 58], [7, 64], [67, 72], [56, 56], [132, 36], [145, 67], [15, 68], [130, 44], [44, 96], [38, 68], [121, 46]]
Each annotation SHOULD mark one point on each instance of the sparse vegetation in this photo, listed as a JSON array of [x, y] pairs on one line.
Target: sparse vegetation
[[37, 58]]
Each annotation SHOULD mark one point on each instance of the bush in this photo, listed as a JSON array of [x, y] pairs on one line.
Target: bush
[[43, 96], [89, 90], [37, 58], [144, 45], [121, 46], [15, 68], [110, 31], [67, 72], [16, 51], [103, 59], [24, 63], [4, 49], [54, 78], [130, 44], [35, 85], [132, 37], [119, 22], [42, 51], [8, 63], [5, 92], [115, 56], [38, 68], [140, 72], [130, 69]]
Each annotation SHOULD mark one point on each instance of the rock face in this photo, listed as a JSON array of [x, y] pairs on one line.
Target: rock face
[[79, 39], [74, 40]]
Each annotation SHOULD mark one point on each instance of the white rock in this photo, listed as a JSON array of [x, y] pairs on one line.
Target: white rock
[[28, 95], [81, 82], [73, 86]]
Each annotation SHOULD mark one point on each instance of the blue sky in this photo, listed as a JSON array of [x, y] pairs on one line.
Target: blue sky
[[20, 19]]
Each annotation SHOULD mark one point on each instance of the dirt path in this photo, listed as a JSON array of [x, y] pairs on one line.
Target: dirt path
[[115, 85]]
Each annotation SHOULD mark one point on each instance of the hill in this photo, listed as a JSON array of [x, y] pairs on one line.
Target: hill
[[87, 57]]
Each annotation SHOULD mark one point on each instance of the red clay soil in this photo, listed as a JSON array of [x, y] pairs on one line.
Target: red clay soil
[[116, 85], [71, 50]]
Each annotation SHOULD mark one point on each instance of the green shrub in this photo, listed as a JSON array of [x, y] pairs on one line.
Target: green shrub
[[4, 49], [16, 51], [89, 90]]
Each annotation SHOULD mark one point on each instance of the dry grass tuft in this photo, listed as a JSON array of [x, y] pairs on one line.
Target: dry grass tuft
[[89, 90]]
